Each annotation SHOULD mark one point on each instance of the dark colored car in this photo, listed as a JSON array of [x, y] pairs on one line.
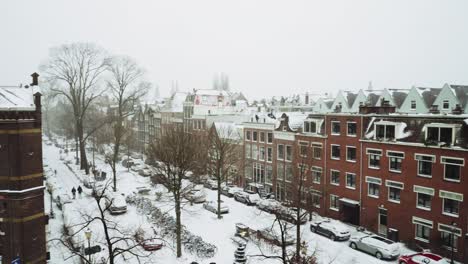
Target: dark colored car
[[330, 230]]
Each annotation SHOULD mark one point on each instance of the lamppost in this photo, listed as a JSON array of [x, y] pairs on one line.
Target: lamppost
[[452, 241], [88, 237], [51, 203]]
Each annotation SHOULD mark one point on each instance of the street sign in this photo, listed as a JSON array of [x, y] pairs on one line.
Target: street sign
[[17, 260], [92, 250]]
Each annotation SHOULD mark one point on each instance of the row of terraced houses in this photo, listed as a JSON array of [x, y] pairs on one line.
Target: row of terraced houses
[[391, 160]]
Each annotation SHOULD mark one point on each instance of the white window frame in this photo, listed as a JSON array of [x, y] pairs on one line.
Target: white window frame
[[315, 145], [385, 124], [423, 222], [286, 153], [278, 152], [443, 105], [423, 190], [331, 174], [331, 152], [418, 160], [394, 184], [373, 180], [267, 138], [445, 166], [439, 126], [458, 234], [347, 124], [316, 169], [260, 153], [445, 195], [369, 157], [301, 144], [411, 105], [348, 160], [337, 199], [389, 156], [346, 180], [269, 158], [331, 128]]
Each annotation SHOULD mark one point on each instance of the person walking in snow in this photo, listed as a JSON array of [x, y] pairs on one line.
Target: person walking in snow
[[74, 192], [80, 190]]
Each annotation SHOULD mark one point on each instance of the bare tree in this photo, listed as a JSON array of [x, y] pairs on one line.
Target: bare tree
[[176, 153], [224, 154], [117, 240], [76, 69], [126, 88]]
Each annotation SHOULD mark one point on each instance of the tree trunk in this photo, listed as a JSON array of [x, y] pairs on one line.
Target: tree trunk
[[219, 194], [178, 224], [298, 231], [115, 158], [83, 159]]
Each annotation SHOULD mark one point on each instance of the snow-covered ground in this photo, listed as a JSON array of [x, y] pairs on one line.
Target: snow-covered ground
[[196, 219]]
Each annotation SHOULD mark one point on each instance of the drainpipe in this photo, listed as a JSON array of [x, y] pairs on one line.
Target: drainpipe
[[325, 157], [361, 218]]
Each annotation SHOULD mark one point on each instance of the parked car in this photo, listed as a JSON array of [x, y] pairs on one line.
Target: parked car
[[422, 257], [269, 205], [146, 172], [378, 246], [334, 231], [89, 182], [290, 214], [62, 199], [145, 239], [225, 190], [270, 236], [127, 163], [211, 184], [212, 206], [196, 194], [247, 198], [116, 203]]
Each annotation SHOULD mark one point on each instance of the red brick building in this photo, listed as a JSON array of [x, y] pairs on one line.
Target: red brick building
[[22, 218]]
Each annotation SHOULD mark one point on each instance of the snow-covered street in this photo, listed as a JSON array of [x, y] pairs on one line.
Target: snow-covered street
[[196, 219]]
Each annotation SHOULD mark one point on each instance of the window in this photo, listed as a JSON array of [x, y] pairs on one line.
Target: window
[[350, 180], [440, 134], [248, 172], [335, 177], [247, 135], [268, 174], [262, 136], [394, 190], [445, 105], [451, 202], [449, 236], [269, 154], [374, 158], [254, 152], [254, 137], [352, 129], [280, 152], [452, 168], [334, 202], [248, 153], [335, 127], [335, 152], [303, 148], [280, 171], [262, 153], [316, 200], [424, 197], [413, 105], [395, 159], [385, 131], [316, 174], [288, 152], [289, 173], [423, 229], [270, 137], [424, 164], [259, 172], [317, 150], [310, 127], [351, 154], [373, 189]]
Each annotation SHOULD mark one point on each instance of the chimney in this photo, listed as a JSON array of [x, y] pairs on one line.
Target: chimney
[[35, 77], [307, 98]]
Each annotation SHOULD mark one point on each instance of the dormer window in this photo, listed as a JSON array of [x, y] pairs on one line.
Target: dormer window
[[438, 133], [445, 105], [385, 131], [310, 127]]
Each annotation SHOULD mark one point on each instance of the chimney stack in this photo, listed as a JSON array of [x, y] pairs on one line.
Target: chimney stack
[[35, 80]]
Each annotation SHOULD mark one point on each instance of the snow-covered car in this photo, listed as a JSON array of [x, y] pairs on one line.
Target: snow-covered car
[[196, 195], [334, 231], [116, 203], [290, 214], [247, 198], [212, 206], [62, 199], [272, 237], [127, 163], [269, 205], [145, 172], [422, 258], [230, 190], [89, 182], [377, 246], [211, 184], [146, 239]]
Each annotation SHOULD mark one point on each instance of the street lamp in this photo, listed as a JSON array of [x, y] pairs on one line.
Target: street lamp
[[452, 241], [51, 203], [88, 237]]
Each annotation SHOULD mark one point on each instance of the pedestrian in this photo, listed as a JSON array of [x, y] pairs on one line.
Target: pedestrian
[[80, 190], [74, 192]]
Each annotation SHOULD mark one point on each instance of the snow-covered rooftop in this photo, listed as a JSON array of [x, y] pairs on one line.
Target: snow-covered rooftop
[[18, 98]]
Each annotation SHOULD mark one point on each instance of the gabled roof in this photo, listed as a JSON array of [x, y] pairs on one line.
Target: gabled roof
[[18, 98], [398, 96], [461, 92], [428, 94]]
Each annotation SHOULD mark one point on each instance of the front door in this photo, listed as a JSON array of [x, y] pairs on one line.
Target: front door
[[382, 221]]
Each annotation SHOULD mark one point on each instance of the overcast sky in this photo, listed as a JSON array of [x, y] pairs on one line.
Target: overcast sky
[[266, 47]]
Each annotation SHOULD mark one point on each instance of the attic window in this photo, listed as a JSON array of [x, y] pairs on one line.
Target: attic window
[[385, 131], [413, 105], [310, 127], [440, 134], [445, 105]]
